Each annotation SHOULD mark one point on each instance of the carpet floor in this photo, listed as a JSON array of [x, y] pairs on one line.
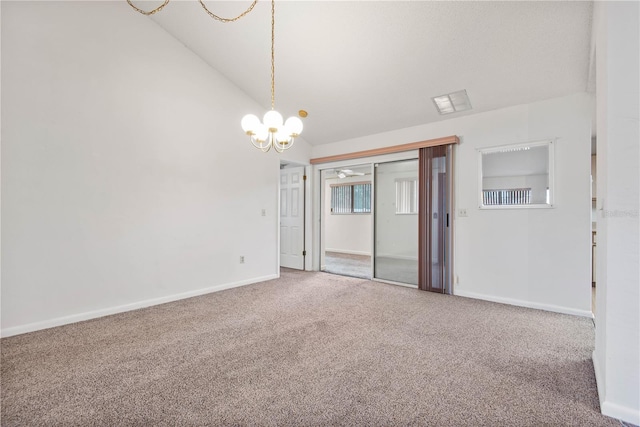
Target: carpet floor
[[308, 349]]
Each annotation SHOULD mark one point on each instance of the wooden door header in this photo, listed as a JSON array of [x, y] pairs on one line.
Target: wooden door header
[[453, 139]]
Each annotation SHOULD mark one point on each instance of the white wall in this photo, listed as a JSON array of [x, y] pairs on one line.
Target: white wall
[[532, 257], [349, 234], [124, 181], [617, 356]]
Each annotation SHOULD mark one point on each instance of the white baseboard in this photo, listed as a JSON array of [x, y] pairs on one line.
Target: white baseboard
[[65, 320], [348, 251], [608, 408], [620, 412], [523, 303]]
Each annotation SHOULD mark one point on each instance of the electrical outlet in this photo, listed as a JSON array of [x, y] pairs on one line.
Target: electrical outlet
[[264, 212], [462, 212], [457, 279], [241, 259]]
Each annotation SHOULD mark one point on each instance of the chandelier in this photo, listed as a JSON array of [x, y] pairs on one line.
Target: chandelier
[[273, 131]]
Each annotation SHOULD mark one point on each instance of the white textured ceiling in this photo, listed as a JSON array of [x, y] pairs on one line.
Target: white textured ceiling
[[364, 67]]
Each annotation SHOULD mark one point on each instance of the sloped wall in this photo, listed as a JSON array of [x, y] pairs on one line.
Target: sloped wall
[[123, 182]]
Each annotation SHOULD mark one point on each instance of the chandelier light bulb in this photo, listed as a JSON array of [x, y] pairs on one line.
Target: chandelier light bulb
[[250, 123], [260, 138], [272, 119], [294, 125], [282, 136]]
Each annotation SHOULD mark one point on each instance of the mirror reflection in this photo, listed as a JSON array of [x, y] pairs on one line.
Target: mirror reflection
[[516, 176]]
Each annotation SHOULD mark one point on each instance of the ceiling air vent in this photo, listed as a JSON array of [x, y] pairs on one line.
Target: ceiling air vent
[[453, 102]]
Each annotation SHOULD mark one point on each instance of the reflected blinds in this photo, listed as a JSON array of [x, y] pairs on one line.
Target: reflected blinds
[[351, 198], [407, 196]]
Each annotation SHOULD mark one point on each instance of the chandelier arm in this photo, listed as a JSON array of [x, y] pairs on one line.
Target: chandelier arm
[[254, 143], [225, 20], [259, 146], [266, 148], [144, 12], [282, 147]]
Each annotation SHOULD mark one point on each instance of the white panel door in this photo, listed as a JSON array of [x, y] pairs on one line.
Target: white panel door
[[292, 218]]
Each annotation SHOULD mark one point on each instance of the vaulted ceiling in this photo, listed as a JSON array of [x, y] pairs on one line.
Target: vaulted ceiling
[[365, 67]]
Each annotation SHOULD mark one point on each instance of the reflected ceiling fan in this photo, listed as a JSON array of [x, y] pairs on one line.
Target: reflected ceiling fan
[[345, 173]]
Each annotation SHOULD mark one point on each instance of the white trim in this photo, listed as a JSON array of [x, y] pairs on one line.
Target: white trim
[[277, 221], [599, 383], [624, 413], [308, 218], [528, 304], [347, 251], [65, 320]]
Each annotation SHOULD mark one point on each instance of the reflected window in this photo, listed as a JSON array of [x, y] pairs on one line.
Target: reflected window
[[406, 196], [516, 176], [514, 196], [351, 198]]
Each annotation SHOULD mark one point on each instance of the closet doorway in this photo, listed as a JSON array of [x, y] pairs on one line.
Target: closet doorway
[[395, 219]]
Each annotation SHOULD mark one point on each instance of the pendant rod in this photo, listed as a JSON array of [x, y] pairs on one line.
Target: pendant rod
[[273, 61]]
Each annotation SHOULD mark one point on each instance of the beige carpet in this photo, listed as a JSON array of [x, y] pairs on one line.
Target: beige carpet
[[308, 349]]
